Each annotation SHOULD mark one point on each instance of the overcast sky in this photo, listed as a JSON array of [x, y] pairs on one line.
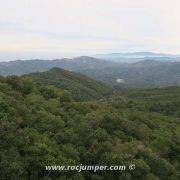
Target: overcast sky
[[56, 28]]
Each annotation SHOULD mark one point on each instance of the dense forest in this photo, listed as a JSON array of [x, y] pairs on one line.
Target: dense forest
[[80, 86], [45, 124]]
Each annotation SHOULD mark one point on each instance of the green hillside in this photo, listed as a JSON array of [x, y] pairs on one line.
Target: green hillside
[[80, 86], [41, 125]]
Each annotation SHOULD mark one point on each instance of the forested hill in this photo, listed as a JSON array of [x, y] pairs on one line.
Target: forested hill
[[80, 86], [40, 125]]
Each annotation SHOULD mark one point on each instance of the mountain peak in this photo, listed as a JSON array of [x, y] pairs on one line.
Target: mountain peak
[[80, 86]]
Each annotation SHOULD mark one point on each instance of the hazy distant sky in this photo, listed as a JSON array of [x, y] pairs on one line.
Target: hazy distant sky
[[56, 28]]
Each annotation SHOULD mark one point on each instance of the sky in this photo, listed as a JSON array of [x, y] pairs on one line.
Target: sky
[[48, 29]]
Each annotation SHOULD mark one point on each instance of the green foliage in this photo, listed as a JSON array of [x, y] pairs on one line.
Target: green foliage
[[79, 86], [42, 125], [27, 85], [55, 93]]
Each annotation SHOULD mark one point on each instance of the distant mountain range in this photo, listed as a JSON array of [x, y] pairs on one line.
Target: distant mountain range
[[137, 56], [21, 67], [147, 73], [138, 73]]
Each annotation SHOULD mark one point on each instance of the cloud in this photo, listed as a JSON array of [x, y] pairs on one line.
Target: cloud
[[88, 26]]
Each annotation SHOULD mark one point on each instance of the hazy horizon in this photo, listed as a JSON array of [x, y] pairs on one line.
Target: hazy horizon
[[41, 29], [71, 56]]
